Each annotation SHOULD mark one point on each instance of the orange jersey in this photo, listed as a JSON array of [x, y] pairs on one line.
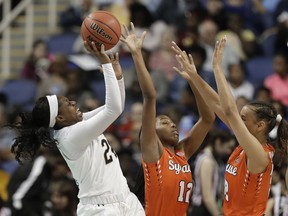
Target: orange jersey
[[246, 193], [168, 185]]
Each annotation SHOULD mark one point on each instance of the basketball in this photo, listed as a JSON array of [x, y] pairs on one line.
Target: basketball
[[101, 27]]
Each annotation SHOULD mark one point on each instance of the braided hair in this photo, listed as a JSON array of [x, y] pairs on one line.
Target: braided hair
[[267, 112], [33, 131]]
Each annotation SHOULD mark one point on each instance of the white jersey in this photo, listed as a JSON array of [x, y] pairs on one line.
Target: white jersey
[[92, 161]]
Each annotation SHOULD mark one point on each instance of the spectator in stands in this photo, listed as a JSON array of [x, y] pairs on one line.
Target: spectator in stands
[[248, 47], [37, 64], [263, 94], [239, 85], [277, 83], [144, 20], [282, 29], [55, 82], [28, 186], [128, 165], [72, 17], [208, 31], [209, 177], [277, 204], [8, 165], [159, 76], [215, 10], [188, 34], [163, 59], [63, 195], [77, 88]]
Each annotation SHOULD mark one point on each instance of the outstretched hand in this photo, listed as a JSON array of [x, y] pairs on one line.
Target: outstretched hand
[[101, 55], [218, 52], [116, 65], [187, 66], [114, 59], [130, 38]]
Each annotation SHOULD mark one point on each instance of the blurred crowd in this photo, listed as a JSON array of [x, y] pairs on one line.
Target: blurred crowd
[[256, 30]]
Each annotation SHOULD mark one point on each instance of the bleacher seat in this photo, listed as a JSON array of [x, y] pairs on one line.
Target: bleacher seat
[[259, 68], [20, 92], [62, 43], [268, 45], [98, 88]]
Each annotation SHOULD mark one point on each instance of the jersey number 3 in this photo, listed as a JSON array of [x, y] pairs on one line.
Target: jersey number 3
[[184, 191], [109, 151]]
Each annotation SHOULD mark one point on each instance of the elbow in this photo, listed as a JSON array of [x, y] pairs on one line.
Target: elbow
[[118, 109], [114, 110], [149, 95]]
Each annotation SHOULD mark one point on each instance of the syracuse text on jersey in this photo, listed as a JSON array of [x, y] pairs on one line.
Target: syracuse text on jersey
[[177, 167], [231, 169]]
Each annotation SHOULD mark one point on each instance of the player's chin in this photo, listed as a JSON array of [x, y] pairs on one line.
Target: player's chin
[[175, 140], [80, 117]]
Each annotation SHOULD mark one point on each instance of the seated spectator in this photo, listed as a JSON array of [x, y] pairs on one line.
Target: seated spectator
[[277, 83], [209, 176], [277, 202], [36, 65], [28, 186], [238, 84], [143, 20], [55, 81], [74, 15], [216, 11], [208, 34], [77, 89], [263, 94], [163, 59], [63, 195], [188, 34]]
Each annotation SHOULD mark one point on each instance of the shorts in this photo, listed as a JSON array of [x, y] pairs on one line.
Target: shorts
[[129, 207]]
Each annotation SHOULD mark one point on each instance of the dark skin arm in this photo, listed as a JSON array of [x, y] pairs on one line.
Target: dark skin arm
[[151, 147], [225, 107], [199, 131], [211, 97]]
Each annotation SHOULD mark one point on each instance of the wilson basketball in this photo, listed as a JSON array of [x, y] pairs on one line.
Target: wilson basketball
[[101, 27]]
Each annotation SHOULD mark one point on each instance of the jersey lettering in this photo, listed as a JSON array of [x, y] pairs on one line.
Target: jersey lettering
[[231, 169], [178, 168]]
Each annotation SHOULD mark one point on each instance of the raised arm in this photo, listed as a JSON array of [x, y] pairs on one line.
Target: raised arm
[[199, 131], [207, 93], [82, 133], [150, 146], [257, 157], [119, 75]]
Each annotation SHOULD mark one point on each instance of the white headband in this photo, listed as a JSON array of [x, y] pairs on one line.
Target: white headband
[[53, 106], [278, 118]]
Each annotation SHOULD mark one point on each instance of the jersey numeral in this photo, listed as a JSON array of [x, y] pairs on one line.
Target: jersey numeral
[[109, 151], [184, 191]]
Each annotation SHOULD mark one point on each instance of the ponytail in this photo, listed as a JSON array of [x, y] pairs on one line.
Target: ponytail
[[282, 135], [33, 131]]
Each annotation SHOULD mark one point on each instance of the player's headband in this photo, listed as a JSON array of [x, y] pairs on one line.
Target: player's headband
[[53, 106]]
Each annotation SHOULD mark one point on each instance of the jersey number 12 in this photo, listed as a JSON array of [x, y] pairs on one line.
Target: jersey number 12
[[184, 191]]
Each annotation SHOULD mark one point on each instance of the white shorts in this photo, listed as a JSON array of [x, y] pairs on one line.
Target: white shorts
[[129, 207]]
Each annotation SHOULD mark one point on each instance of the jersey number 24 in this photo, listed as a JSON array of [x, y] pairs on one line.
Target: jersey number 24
[[109, 151]]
